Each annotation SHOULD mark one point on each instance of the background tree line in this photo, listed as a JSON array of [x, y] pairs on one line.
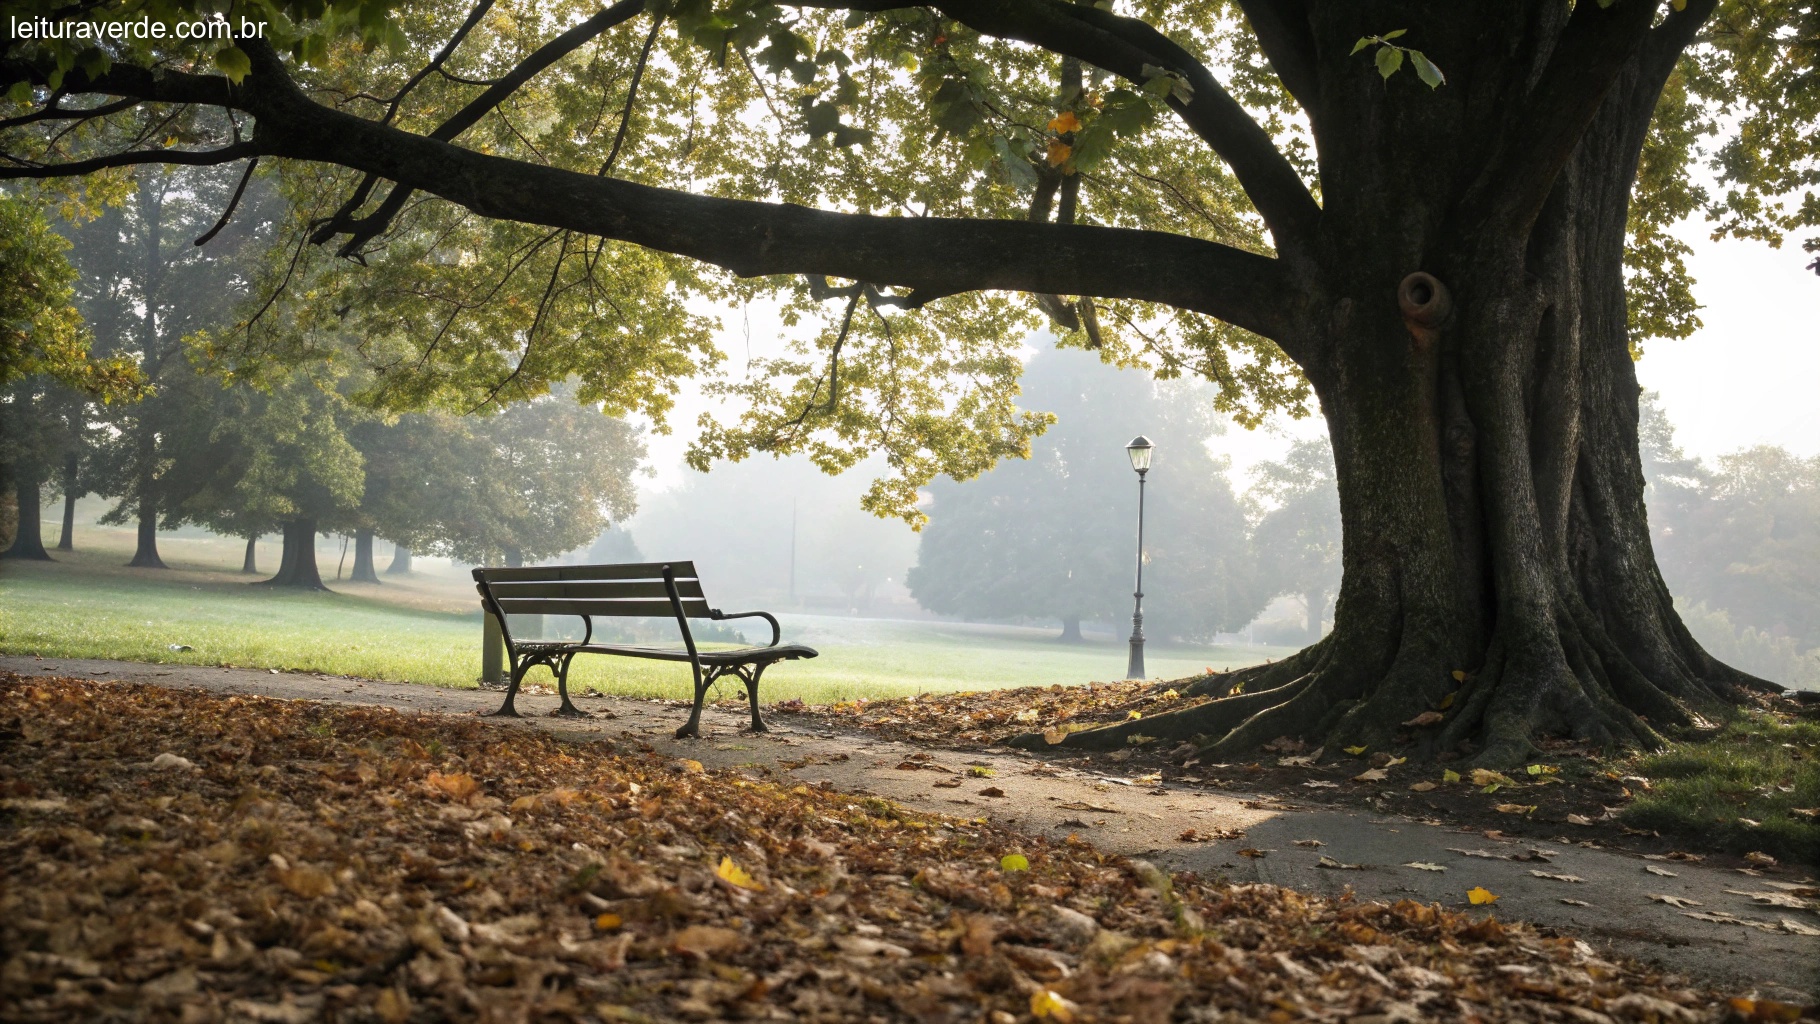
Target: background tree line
[[150, 408]]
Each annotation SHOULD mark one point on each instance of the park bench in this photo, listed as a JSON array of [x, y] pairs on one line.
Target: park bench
[[636, 589]]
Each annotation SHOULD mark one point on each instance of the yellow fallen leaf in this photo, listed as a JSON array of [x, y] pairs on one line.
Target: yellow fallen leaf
[[1480, 896], [608, 922], [1422, 787], [1044, 1003], [1053, 735], [1014, 862], [1170, 695], [1355, 751], [1516, 808], [980, 772], [1134, 716], [734, 875], [1486, 777], [690, 765], [1446, 702], [1543, 769], [1449, 775], [1393, 762], [1459, 675]]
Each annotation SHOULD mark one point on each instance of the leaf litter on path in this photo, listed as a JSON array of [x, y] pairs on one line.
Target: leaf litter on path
[[357, 863]]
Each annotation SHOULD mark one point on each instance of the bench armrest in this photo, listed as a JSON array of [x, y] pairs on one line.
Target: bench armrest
[[776, 632]]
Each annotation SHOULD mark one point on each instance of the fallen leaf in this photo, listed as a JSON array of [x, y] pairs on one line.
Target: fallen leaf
[[1309, 842], [1558, 878], [1014, 862], [691, 766], [1575, 903], [1393, 762], [1053, 735], [1516, 808], [1329, 862], [1321, 784], [1797, 928], [1026, 715], [1479, 896], [736, 876], [1077, 805], [1774, 899], [1422, 787], [1254, 854], [307, 881], [1674, 901], [1422, 865], [1045, 1003], [1760, 859], [1544, 769], [1578, 819], [980, 771], [992, 791], [1354, 751], [1371, 775], [1487, 777], [1425, 719], [1449, 775], [1664, 872]]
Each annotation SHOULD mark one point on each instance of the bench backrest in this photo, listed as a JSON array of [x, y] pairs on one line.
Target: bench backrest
[[633, 588]]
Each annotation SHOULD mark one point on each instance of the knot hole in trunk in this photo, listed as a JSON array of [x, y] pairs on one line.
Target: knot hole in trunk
[[1425, 303]]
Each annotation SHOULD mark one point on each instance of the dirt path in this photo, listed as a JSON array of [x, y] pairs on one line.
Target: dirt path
[[1142, 817]]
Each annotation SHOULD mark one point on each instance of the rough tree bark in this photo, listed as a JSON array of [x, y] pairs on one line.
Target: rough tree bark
[[297, 564], [28, 536], [363, 558]]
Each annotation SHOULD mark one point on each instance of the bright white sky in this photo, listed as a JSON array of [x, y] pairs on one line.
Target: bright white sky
[[1750, 376]]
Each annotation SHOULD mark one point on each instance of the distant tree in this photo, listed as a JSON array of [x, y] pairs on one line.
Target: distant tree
[[145, 287], [1295, 508], [541, 478], [410, 464], [1054, 537]]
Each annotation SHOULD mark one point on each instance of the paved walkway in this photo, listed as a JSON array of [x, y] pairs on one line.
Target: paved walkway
[[1608, 898]]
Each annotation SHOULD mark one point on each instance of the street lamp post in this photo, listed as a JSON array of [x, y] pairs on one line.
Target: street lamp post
[[1139, 450]]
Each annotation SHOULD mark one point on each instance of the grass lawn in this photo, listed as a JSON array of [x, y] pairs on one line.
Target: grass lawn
[[1739, 790], [87, 605]]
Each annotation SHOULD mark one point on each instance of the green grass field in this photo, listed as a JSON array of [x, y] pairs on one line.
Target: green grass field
[[87, 605]]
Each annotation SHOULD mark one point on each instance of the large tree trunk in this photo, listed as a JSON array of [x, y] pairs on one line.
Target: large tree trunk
[[363, 558], [28, 538], [1071, 630], [145, 553], [401, 561], [297, 565], [250, 563], [1482, 401], [72, 467]]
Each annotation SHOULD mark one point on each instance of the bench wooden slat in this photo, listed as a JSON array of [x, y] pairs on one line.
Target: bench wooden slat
[[693, 608], [554, 573], [596, 589]]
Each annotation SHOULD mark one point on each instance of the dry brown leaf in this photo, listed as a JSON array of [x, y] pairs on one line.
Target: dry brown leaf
[[1309, 842], [1664, 872], [1422, 787], [1425, 719], [1675, 901]]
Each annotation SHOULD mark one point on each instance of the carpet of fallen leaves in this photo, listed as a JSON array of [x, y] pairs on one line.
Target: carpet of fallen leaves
[[176, 855], [985, 717]]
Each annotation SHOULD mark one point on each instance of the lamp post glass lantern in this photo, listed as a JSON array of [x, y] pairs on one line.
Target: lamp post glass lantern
[[1139, 449]]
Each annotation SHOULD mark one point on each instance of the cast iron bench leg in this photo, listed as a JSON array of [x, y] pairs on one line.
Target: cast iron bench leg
[[693, 726], [568, 710], [507, 710], [758, 724]]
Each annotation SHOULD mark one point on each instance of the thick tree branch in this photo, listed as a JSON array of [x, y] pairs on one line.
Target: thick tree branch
[[1128, 47], [371, 226], [133, 157], [1135, 50], [1283, 33], [1587, 59]]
